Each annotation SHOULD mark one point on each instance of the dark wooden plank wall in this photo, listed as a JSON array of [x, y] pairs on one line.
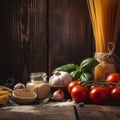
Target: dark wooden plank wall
[[23, 38], [40, 35], [69, 32]]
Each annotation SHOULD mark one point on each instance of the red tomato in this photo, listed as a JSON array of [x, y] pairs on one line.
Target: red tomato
[[113, 78], [115, 94], [99, 95], [110, 88], [79, 94], [71, 85], [92, 87]]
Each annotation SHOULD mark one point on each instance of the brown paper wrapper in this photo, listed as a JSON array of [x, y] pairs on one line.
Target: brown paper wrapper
[[109, 63], [106, 65]]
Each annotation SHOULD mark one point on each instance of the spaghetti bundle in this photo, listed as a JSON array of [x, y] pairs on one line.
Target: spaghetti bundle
[[105, 18]]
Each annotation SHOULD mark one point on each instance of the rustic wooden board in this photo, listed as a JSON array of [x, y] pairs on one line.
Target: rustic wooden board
[[98, 112], [23, 38], [69, 32], [40, 35], [38, 112]]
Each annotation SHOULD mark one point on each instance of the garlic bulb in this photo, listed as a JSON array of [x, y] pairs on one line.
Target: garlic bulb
[[60, 79]]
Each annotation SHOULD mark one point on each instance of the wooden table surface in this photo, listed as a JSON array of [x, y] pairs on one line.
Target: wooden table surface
[[60, 111], [98, 112]]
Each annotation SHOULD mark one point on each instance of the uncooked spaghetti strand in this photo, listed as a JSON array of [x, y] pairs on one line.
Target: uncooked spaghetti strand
[[105, 18]]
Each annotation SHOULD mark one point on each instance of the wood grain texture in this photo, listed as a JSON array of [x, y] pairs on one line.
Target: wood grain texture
[[40, 35], [98, 112], [38, 112], [69, 32], [9, 49], [23, 43], [60, 111]]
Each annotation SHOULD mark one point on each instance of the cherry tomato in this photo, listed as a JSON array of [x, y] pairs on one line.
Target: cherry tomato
[[115, 94], [113, 78], [99, 95], [109, 89], [92, 87], [71, 85], [80, 94]]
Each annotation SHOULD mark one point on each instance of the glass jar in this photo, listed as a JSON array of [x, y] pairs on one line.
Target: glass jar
[[38, 83], [38, 76], [36, 79]]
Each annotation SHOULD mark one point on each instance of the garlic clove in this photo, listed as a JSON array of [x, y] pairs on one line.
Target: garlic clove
[[58, 95]]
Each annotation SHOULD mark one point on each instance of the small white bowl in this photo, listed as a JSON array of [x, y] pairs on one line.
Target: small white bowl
[[24, 96]]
